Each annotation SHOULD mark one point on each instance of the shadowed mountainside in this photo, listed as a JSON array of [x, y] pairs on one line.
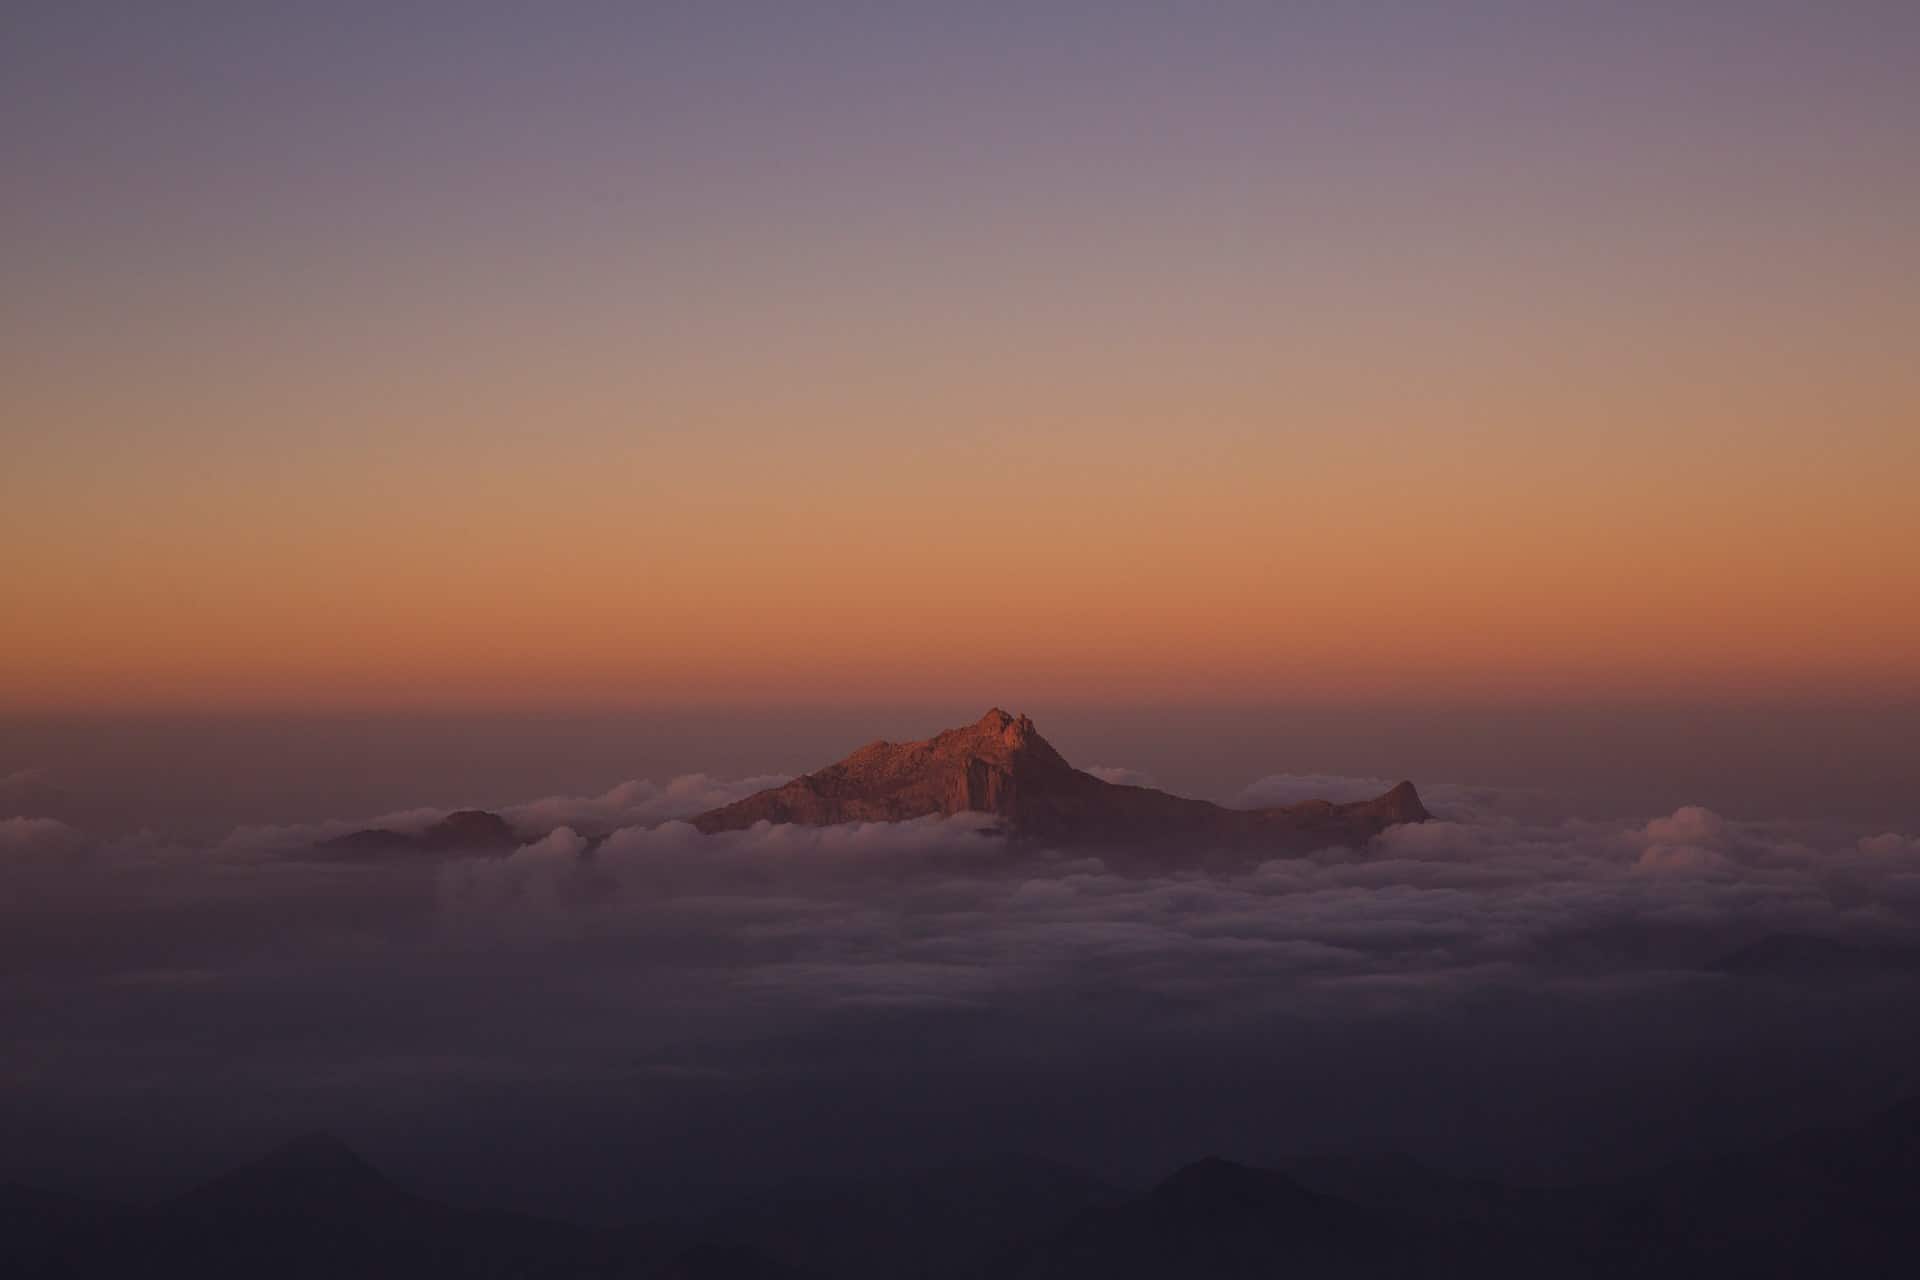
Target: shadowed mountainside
[[1000, 765], [463, 831]]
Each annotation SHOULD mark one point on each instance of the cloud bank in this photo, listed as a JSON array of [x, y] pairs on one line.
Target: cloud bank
[[841, 986]]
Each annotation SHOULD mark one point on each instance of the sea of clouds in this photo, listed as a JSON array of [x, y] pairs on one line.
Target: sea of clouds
[[945, 911], [618, 952]]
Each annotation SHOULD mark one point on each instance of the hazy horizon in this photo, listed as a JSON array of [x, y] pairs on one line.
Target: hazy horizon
[[200, 775]]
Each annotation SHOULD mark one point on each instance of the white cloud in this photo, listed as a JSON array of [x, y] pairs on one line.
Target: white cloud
[[524, 891], [1689, 826], [1891, 844], [636, 803], [855, 912]]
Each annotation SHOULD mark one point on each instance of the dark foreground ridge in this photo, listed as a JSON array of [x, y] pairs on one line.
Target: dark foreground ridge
[[1000, 765], [1829, 1202]]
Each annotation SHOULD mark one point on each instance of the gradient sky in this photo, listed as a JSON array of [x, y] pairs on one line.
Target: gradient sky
[[477, 355]]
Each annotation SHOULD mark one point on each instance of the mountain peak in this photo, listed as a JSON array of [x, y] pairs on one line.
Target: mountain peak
[[995, 735], [1005, 722], [315, 1168], [1000, 765], [317, 1153], [470, 828], [1402, 804]]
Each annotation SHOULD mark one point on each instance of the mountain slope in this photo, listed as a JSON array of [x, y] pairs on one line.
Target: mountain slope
[[463, 831], [1000, 765], [314, 1210]]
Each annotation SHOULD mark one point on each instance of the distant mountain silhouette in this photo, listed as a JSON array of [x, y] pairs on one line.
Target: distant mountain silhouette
[[1837, 1202], [463, 831], [314, 1210], [1000, 765]]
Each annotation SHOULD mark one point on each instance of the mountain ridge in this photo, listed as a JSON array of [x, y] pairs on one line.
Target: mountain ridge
[[1832, 1201], [1000, 765], [463, 830]]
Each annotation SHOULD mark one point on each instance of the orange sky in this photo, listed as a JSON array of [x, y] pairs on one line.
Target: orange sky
[[1099, 399], [1265, 546]]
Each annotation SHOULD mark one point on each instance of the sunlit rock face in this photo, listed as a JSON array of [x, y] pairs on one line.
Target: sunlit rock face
[[1000, 765]]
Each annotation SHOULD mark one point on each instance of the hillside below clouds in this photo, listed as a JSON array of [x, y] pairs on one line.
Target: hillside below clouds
[[1000, 765]]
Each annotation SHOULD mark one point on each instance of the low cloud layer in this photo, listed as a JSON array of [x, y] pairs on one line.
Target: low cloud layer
[[636, 803], [623, 961], [1447, 905], [23, 834]]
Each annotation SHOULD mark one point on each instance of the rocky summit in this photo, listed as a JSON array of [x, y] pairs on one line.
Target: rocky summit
[[1000, 765]]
